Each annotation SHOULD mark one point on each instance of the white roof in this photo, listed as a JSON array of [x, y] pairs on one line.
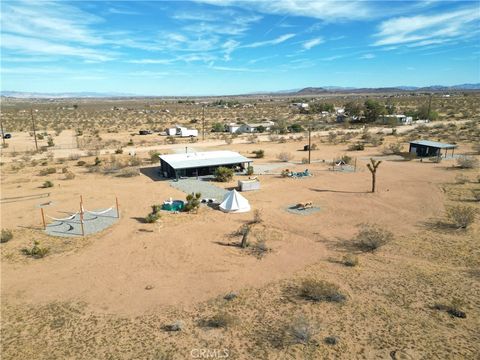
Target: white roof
[[234, 202], [206, 158]]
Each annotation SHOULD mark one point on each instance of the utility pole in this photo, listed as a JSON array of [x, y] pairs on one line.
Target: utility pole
[[3, 133], [429, 106], [203, 122], [34, 130], [309, 143]]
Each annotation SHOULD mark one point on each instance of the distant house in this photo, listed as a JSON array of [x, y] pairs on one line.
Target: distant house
[[400, 119], [427, 148], [301, 106], [234, 128], [253, 127]]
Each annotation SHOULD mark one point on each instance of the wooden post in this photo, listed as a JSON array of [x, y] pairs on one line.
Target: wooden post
[[34, 129], [1, 128], [355, 166], [118, 210], [43, 219], [81, 219], [309, 143]]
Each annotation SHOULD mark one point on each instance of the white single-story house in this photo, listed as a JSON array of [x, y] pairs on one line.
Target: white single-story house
[[301, 106], [200, 163], [234, 128]]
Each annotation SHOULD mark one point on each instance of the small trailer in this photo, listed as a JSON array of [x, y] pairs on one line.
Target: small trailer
[[182, 132]]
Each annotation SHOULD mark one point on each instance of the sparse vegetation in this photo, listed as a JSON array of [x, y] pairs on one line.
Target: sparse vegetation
[[47, 171], [220, 320], [467, 162], [223, 174], [461, 216], [321, 290], [284, 156], [36, 251], [350, 260], [371, 237], [47, 184], [6, 236], [259, 153]]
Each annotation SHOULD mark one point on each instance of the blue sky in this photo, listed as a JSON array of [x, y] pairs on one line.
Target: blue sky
[[214, 47]]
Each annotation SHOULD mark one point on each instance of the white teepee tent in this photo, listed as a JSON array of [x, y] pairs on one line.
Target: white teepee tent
[[234, 202]]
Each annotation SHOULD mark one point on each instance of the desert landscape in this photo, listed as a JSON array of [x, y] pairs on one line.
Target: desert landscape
[[387, 274]]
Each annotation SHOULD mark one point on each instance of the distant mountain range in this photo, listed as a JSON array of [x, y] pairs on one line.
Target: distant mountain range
[[293, 92]]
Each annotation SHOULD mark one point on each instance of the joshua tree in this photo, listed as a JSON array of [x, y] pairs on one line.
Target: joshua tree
[[373, 169]]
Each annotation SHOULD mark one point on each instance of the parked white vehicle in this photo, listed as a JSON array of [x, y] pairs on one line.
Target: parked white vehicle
[[182, 131]]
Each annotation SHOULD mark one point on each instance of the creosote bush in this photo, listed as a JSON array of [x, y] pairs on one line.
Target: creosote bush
[[223, 174], [47, 171], [371, 237], [467, 162], [47, 184], [350, 260], [301, 330], [154, 215], [461, 216], [250, 170], [259, 153], [284, 156], [36, 251], [6, 236], [320, 290]]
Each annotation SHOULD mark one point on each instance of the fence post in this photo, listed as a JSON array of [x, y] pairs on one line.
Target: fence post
[[43, 219]]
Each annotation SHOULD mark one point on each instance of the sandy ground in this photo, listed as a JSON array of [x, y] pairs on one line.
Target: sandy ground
[[186, 260]]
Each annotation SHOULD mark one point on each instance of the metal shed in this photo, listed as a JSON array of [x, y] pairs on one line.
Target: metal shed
[[200, 163], [427, 148]]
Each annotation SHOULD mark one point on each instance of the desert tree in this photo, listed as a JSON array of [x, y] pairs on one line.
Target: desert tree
[[373, 169]]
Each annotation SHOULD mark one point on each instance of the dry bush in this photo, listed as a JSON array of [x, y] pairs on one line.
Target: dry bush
[[284, 156], [301, 330], [257, 217], [320, 290], [393, 149], [467, 162], [47, 184], [6, 236], [47, 171], [36, 251], [476, 194], [220, 320], [129, 172], [461, 216], [371, 237], [69, 175], [461, 179], [350, 260]]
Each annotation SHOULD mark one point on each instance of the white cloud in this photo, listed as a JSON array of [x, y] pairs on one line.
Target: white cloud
[[275, 41], [120, 11], [152, 61], [307, 45], [327, 10], [367, 56], [235, 69], [421, 30], [29, 46]]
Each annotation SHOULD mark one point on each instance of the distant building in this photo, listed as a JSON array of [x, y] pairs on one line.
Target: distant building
[[427, 148], [182, 131], [400, 119], [235, 128], [301, 106], [200, 163]]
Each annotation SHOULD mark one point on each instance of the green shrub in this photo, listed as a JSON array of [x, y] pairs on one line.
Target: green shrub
[[48, 171], [250, 170], [193, 202], [356, 147], [156, 208], [7, 235], [152, 217], [81, 163], [97, 161], [47, 184], [119, 151], [461, 216], [259, 153], [320, 290], [154, 156], [36, 251], [223, 174], [371, 237]]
